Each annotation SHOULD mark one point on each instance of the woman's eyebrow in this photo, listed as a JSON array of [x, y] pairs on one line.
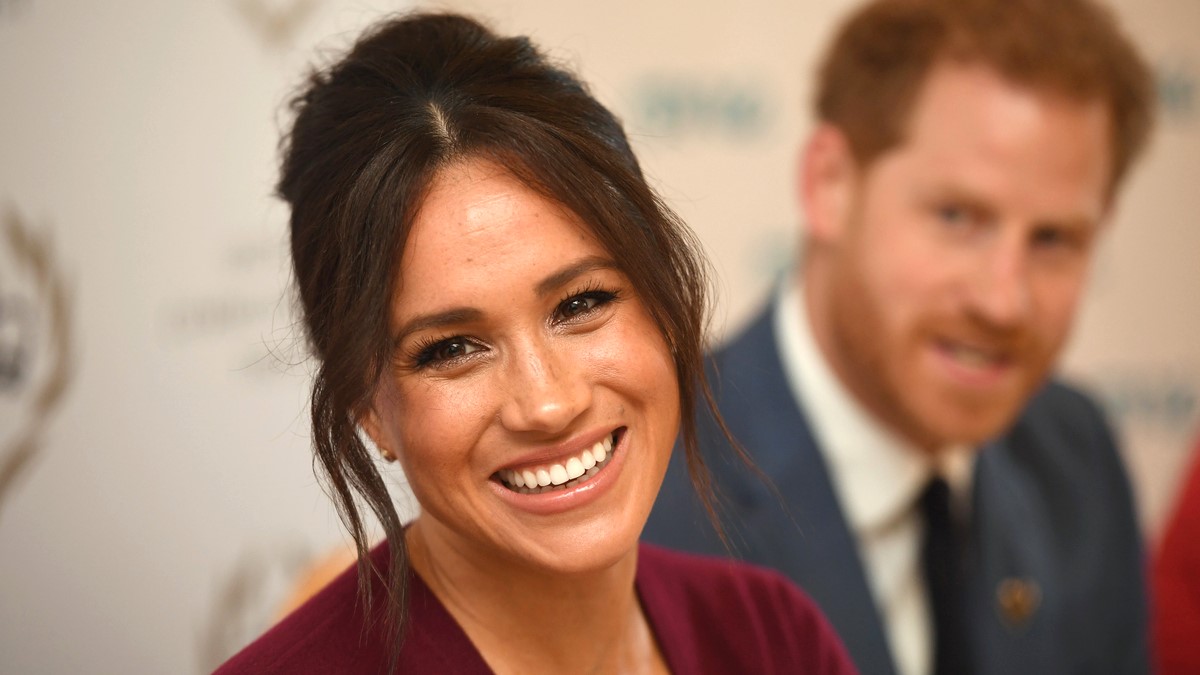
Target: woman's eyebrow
[[436, 320], [556, 279], [546, 286]]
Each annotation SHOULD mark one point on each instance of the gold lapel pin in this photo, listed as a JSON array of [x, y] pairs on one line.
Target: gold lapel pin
[[1018, 600]]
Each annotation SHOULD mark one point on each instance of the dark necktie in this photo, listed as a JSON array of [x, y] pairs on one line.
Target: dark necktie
[[943, 559]]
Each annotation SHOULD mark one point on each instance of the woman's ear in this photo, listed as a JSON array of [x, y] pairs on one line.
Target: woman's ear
[[370, 424], [828, 180]]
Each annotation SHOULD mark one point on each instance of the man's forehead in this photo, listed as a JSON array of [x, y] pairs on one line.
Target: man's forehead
[[971, 107]]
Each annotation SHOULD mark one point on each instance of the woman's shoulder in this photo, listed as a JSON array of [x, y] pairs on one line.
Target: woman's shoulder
[[715, 614]]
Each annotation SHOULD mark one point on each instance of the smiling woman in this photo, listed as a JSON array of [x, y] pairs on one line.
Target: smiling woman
[[521, 348], [500, 302]]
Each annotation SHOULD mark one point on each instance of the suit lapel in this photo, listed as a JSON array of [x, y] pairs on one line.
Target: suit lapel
[[1013, 584], [806, 536]]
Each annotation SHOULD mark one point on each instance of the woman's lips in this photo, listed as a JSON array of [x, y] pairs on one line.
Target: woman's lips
[[574, 494], [561, 475]]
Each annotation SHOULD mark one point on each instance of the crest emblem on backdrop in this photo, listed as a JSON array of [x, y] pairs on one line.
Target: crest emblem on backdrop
[[248, 599], [12, 6], [275, 22], [35, 345]]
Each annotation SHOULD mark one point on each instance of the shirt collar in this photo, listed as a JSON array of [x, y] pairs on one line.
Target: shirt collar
[[877, 475]]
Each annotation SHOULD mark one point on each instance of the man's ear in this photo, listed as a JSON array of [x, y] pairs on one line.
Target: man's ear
[[370, 424], [828, 180]]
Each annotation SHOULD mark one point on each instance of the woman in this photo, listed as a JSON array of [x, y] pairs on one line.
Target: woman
[[501, 304]]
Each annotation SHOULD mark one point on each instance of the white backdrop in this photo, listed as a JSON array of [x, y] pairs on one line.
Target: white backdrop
[[156, 489]]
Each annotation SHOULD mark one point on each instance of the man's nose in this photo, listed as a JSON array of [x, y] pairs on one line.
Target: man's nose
[[1001, 293]]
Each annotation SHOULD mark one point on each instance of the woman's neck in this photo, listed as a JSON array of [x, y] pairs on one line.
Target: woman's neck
[[530, 621]]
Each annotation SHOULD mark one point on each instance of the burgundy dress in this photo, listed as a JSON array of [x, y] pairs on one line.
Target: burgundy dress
[[709, 615]]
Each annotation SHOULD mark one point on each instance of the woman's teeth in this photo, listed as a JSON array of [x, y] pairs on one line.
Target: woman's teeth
[[560, 476]]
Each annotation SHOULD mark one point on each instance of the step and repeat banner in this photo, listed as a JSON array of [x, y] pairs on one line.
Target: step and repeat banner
[[157, 498]]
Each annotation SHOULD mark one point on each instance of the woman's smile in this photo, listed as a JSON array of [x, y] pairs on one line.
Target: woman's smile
[[564, 474], [594, 483]]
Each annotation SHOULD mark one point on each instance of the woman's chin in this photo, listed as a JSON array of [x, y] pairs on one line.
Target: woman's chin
[[580, 547], [573, 554]]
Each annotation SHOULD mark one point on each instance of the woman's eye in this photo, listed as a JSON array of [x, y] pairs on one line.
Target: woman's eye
[[583, 304], [446, 350]]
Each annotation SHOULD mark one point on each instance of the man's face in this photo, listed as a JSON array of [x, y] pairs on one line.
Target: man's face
[[957, 261]]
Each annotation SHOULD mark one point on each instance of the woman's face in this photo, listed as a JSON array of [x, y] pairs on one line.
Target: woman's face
[[522, 356]]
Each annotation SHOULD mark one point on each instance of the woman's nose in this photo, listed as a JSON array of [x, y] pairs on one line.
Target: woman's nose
[[548, 389]]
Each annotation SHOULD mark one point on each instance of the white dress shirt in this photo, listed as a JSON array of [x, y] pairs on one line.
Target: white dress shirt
[[878, 478]]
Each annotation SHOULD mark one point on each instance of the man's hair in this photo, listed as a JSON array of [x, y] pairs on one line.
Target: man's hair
[[874, 70]]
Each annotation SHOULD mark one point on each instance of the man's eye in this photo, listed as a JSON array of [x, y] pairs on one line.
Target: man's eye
[[962, 219], [1049, 237], [954, 215], [959, 215]]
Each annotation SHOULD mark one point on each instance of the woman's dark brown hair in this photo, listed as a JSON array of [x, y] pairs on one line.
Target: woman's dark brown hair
[[416, 94]]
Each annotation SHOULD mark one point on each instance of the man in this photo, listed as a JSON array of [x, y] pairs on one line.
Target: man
[[951, 508]]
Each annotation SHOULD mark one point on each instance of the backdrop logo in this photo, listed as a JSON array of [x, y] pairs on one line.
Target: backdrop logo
[[1177, 90], [13, 7], [248, 599], [35, 345], [684, 106], [1159, 402], [239, 319], [275, 22]]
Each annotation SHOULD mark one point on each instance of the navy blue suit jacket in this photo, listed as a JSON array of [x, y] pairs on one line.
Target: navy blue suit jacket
[[1051, 508]]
